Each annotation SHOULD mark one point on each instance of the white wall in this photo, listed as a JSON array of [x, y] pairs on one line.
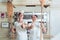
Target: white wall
[[55, 21], [55, 18], [27, 9], [3, 0], [26, 2], [3, 8]]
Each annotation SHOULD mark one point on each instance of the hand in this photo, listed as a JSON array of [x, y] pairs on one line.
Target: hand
[[13, 30], [23, 26], [44, 29], [29, 26]]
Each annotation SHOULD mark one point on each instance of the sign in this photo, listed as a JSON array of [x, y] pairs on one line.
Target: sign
[[5, 24]]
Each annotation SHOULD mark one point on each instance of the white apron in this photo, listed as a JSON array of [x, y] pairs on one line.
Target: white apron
[[21, 33]]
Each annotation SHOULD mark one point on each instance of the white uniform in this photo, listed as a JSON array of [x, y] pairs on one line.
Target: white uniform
[[35, 31], [21, 33]]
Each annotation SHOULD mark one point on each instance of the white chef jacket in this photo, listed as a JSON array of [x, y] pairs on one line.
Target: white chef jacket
[[21, 33], [35, 32]]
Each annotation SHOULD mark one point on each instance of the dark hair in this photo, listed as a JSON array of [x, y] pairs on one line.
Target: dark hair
[[34, 15], [19, 14]]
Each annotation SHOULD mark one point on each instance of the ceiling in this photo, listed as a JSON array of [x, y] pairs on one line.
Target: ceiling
[[23, 2], [27, 2]]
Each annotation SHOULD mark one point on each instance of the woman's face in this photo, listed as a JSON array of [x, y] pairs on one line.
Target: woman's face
[[21, 16], [34, 17]]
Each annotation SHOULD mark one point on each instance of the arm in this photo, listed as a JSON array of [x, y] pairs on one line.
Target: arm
[[13, 29], [23, 25], [30, 26], [43, 27]]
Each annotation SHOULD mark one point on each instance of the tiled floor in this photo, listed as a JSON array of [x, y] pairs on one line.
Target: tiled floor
[[4, 34]]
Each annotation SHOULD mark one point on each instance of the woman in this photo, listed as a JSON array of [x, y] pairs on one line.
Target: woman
[[20, 28], [36, 33]]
